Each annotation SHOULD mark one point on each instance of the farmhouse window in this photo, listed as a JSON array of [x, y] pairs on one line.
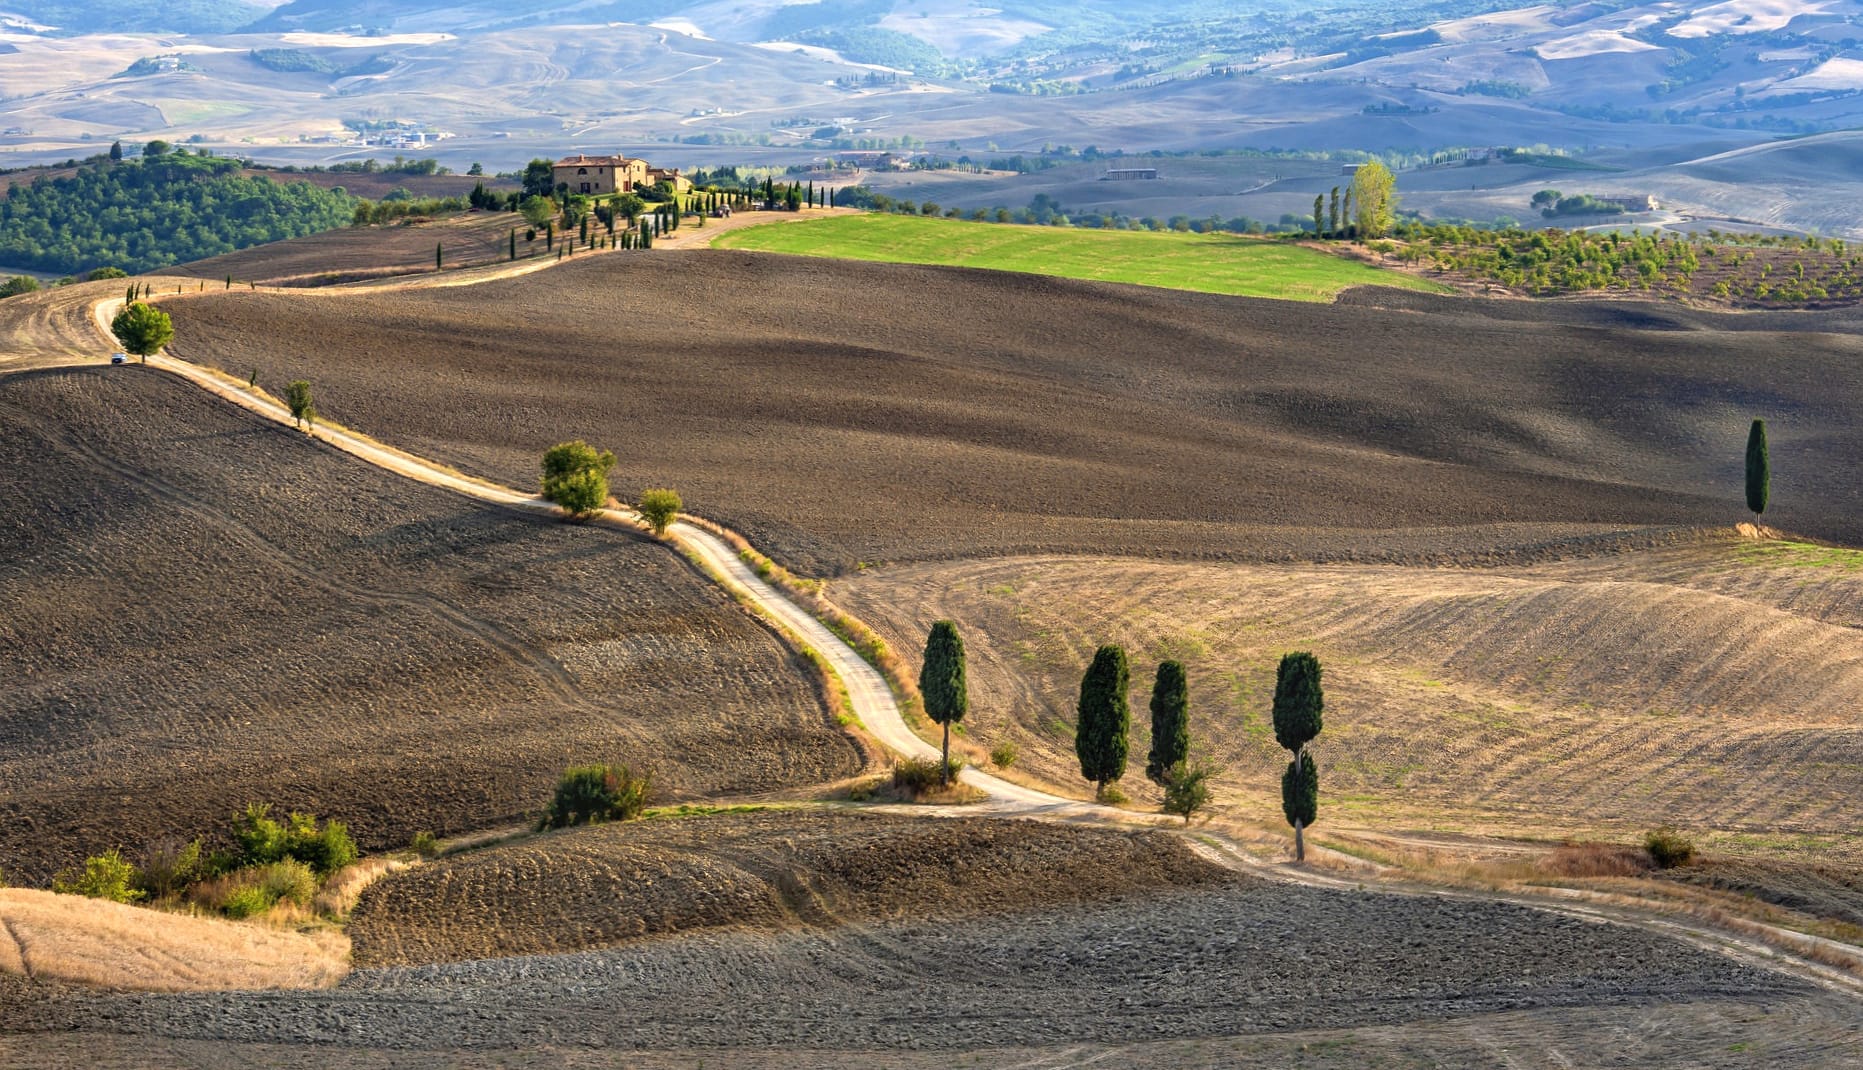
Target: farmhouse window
[[582, 170]]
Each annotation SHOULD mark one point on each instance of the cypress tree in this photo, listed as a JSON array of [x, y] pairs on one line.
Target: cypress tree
[[1319, 215], [1299, 702], [549, 236], [514, 243], [941, 682], [1759, 470], [1104, 718], [439, 256], [1332, 218], [1170, 722]]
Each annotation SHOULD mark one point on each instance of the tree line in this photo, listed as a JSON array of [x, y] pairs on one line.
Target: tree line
[[169, 207]]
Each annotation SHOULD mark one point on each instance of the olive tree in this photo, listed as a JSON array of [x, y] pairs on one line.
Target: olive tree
[[575, 477], [659, 506], [142, 329]]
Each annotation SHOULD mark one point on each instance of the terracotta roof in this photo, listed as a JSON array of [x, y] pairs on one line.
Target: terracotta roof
[[581, 160]]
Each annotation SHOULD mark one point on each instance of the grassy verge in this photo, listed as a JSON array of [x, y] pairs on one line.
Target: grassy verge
[[1209, 263]]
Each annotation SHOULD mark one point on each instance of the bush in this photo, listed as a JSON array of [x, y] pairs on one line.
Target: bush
[[168, 867], [245, 902], [426, 845], [1669, 848], [1004, 754], [590, 794], [289, 881], [1187, 789], [916, 776], [325, 848], [106, 876], [658, 506]]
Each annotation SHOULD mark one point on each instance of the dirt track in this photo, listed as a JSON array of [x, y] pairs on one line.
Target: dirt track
[[332, 638], [841, 413]]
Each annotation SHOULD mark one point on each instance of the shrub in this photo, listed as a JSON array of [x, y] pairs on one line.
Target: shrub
[[290, 881], [1668, 848], [245, 902], [168, 867], [325, 848], [590, 794], [916, 776], [106, 876], [658, 506], [1004, 754], [426, 845], [1187, 789], [1111, 795]]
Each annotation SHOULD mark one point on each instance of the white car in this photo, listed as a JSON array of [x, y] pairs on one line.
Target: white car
[[119, 358]]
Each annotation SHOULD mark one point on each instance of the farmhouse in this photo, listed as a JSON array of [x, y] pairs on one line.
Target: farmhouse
[[600, 174]]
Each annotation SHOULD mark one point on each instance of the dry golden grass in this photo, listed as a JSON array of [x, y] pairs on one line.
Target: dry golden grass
[[94, 942], [1715, 687]]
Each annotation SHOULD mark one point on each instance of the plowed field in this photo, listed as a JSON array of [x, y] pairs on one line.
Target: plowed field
[[843, 413], [199, 609]]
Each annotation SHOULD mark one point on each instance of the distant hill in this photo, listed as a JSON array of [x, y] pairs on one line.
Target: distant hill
[[125, 16]]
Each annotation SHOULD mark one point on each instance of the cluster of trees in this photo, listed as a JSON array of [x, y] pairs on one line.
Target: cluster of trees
[[261, 862], [1103, 724], [1367, 210], [1553, 204], [1728, 267], [166, 208]]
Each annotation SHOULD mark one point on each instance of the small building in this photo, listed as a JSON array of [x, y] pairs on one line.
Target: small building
[[600, 175], [1129, 174], [680, 183]]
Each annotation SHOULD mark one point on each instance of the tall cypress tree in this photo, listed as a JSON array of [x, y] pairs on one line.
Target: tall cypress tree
[[941, 683], [1759, 470], [1299, 703], [1332, 216], [514, 243], [439, 256], [1104, 718], [1319, 215], [1170, 722]]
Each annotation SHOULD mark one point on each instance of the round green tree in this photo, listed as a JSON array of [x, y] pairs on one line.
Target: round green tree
[[575, 477], [659, 507], [1170, 722], [942, 684], [1104, 718], [298, 400], [142, 329]]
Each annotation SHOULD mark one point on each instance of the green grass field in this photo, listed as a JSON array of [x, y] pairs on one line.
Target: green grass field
[[1211, 263]]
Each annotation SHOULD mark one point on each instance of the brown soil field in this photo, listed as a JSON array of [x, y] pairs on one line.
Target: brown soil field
[[582, 889], [1238, 972], [1714, 684], [200, 609], [842, 413], [347, 254]]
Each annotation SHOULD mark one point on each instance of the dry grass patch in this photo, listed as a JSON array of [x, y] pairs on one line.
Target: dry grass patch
[[92, 942], [1592, 700]]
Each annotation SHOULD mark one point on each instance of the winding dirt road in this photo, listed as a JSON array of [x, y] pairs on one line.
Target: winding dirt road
[[53, 336]]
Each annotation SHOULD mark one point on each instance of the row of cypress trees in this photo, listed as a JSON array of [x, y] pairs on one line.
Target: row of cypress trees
[[1104, 718]]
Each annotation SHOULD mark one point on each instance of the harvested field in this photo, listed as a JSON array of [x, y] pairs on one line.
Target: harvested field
[[200, 609], [1705, 685], [348, 254], [841, 413], [582, 889], [1188, 976]]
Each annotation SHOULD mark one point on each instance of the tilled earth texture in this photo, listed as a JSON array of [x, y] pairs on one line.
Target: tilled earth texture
[[842, 413], [1247, 973], [588, 888], [201, 609]]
